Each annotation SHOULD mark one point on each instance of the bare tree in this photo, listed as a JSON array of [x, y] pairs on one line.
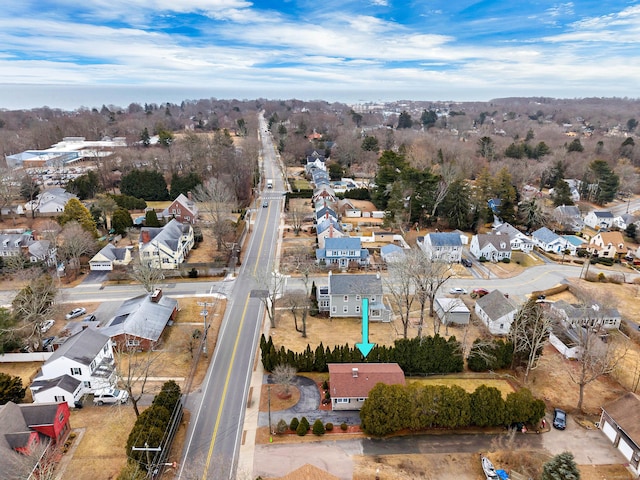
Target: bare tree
[[295, 219], [272, 284], [428, 275], [299, 303], [217, 203], [8, 189], [76, 242], [148, 275], [400, 284], [33, 305], [133, 369], [40, 462], [529, 333], [107, 206], [285, 375]]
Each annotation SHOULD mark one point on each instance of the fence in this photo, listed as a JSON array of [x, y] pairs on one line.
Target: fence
[[25, 357]]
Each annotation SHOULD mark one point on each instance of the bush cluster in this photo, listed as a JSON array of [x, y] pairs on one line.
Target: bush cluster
[[128, 202], [152, 424], [390, 408], [493, 355], [416, 356]]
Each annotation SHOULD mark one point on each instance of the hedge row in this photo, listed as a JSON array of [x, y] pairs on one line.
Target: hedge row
[[391, 408], [416, 356]]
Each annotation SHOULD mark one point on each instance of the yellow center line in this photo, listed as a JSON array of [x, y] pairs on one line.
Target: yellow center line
[[228, 377]]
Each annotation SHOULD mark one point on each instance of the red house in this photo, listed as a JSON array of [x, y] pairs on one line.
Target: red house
[[183, 209], [23, 427]]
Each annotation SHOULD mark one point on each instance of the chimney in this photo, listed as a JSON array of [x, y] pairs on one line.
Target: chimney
[[144, 236], [354, 372], [189, 196], [156, 295]]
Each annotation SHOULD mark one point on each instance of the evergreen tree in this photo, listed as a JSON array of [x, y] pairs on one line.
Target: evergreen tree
[[183, 184], [151, 219], [575, 146], [404, 120], [74, 210], [428, 118], [506, 192], [121, 221], [145, 138], [456, 207], [11, 389], [146, 184], [607, 181], [562, 194], [487, 407], [561, 467], [85, 186]]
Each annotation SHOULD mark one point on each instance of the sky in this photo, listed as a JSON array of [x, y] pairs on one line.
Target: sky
[[67, 53]]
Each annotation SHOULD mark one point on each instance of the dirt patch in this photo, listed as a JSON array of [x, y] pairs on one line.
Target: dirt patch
[[277, 403], [469, 384]]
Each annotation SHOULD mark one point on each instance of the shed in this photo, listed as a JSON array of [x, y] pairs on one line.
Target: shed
[[620, 423], [451, 310]]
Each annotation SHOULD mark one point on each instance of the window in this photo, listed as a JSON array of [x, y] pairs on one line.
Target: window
[[362, 399], [104, 350], [93, 365], [345, 309], [357, 308], [375, 313], [346, 298], [76, 371], [341, 400], [133, 342], [372, 300], [358, 298], [87, 384], [334, 309], [59, 398]]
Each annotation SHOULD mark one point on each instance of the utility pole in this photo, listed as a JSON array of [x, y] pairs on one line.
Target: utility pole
[[147, 449], [269, 404], [204, 314]]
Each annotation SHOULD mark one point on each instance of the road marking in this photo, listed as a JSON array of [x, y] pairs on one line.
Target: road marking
[[224, 392]]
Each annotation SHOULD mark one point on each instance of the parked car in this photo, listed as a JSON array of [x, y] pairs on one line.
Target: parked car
[[46, 325], [466, 262], [457, 291], [76, 312], [89, 318], [46, 343], [559, 419], [479, 292], [265, 204], [110, 396]]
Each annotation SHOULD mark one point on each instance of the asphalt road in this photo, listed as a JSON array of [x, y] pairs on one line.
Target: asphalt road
[[215, 429]]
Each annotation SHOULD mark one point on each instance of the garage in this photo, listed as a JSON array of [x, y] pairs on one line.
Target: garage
[[625, 449], [609, 431], [100, 266]]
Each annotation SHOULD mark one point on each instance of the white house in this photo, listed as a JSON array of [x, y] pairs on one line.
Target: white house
[[599, 219], [569, 217], [51, 201], [166, 247], [62, 389], [328, 228], [446, 247], [518, 240], [87, 357], [496, 311], [548, 240], [109, 257], [593, 316], [624, 220], [490, 246]]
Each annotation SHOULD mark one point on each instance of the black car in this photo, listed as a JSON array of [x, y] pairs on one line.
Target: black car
[[559, 419], [466, 262]]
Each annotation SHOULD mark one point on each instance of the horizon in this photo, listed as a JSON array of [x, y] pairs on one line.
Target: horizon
[[350, 52]]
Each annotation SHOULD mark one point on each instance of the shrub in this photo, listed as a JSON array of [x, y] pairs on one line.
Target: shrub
[[282, 426], [294, 424], [301, 431], [602, 277], [327, 395], [483, 259], [305, 422], [506, 260], [329, 426], [344, 427], [318, 427], [193, 273], [325, 385]]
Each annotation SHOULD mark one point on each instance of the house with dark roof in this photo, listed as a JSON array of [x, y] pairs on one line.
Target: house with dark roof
[[325, 212], [183, 209], [323, 192], [496, 311], [490, 246], [61, 389], [24, 430], [328, 228], [624, 220], [350, 383], [569, 217], [341, 252], [86, 356], [620, 423], [140, 321], [599, 219], [50, 202], [441, 246], [344, 293], [166, 247], [109, 257]]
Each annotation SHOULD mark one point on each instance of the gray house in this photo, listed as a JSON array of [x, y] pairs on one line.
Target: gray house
[[496, 311], [451, 310], [342, 251], [344, 293]]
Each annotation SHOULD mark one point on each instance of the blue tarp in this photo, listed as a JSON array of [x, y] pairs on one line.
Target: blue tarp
[[502, 474]]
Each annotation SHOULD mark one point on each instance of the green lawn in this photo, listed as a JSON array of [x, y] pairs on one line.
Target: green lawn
[[468, 384]]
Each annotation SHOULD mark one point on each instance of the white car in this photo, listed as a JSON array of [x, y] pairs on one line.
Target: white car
[[46, 325], [110, 396], [457, 291], [76, 312]]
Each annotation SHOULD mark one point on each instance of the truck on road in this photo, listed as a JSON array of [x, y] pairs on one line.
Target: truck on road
[[269, 183]]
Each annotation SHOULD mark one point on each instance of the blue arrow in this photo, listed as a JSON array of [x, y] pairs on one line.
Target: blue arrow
[[365, 347]]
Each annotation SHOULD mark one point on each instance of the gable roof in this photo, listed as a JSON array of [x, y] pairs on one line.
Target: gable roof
[[583, 312], [111, 252], [326, 223], [624, 411], [507, 229], [168, 235], [444, 239], [65, 382], [545, 235], [82, 348], [496, 305], [613, 238], [568, 210], [36, 414], [500, 242], [351, 284], [602, 214], [11, 423], [141, 317], [343, 243], [343, 383]]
